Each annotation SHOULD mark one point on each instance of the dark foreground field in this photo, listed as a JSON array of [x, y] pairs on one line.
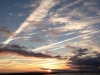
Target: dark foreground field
[[53, 73]]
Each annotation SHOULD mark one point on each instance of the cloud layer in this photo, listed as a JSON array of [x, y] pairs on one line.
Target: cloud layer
[[16, 49], [83, 60]]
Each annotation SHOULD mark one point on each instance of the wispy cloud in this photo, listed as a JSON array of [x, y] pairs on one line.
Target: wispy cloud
[[43, 47], [36, 39], [20, 14], [10, 14], [6, 32], [34, 16]]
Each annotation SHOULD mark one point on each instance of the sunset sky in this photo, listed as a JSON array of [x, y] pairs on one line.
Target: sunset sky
[[54, 34]]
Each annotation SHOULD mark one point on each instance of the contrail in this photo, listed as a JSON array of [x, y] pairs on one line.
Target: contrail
[[16, 38], [33, 33], [36, 15], [43, 47], [22, 37], [57, 48], [64, 46]]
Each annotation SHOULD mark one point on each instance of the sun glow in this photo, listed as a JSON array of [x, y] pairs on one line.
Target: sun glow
[[51, 64], [49, 70]]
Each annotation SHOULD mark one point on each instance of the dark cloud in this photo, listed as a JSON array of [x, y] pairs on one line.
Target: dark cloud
[[18, 46], [68, 46], [85, 63], [16, 49], [46, 52], [13, 46], [36, 39], [24, 53], [32, 47], [71, 48], [6, 32], [58, 56], [81, 52]]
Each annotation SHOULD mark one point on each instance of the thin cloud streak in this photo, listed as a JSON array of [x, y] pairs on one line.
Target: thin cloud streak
[[21, 37], [64, 46], [33, 33], [43, 47], [57, 48], [16, 39]]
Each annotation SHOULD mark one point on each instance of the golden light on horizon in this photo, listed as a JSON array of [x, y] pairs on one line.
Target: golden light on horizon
[[47, 64], [52, 64], [49, 70]]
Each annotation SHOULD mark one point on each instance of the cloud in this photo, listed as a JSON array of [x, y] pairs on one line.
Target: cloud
[[24, 53], [89, 3], [20, 14], [68, 18], [75, 19], [10, 14], [53, 32], [45, 6], [83, 25], [17, 46], [17, 50], [48, 46], [14, 46], [6, 32], [89, 41], [36, 39], [70, 4], [17, 15], [70, 47], [34, 25], [80, 60], [87, 30], [69, 33], [31, 4], [70, 25]]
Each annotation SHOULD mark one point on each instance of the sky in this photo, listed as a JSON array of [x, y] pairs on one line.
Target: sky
[[55, 34]]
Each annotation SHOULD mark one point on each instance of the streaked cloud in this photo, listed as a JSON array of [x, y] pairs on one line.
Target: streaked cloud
[[43, 47], [34, 16], [5, 32], [16, 49]]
